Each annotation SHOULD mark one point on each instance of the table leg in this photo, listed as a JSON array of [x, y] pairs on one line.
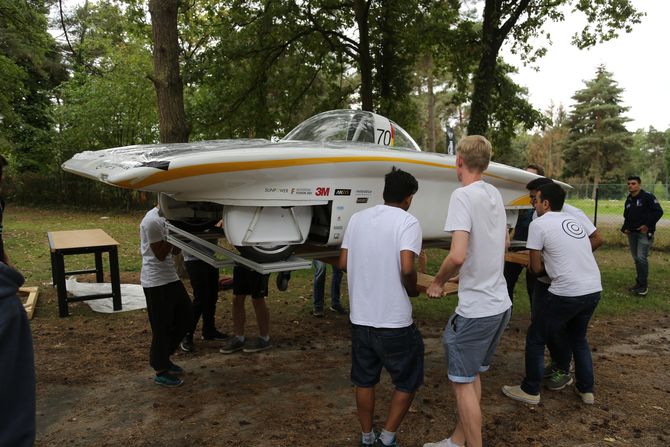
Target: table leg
[[99, 270], [116, 281], [59, 279], [53, 269]]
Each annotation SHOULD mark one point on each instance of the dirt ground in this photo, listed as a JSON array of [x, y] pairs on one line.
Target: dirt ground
[[94, 386]]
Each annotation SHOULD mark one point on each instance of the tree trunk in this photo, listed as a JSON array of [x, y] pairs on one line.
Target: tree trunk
[[480, 107], [431, 102], [362, 9], [595, 166], [166, 78], [385, 65]]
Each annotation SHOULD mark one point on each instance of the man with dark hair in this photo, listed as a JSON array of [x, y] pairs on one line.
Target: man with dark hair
[[168, 305], [557, 377], [378, 252], [641, 212], [513, 269], [559, 244]]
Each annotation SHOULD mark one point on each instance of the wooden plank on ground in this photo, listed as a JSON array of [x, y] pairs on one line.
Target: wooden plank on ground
[[30, 294]]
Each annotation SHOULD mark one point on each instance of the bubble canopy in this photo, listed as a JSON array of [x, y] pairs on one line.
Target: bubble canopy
[[356, 126]]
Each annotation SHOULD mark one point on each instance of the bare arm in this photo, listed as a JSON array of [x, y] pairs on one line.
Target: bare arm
[[162, 248], [535, 266], [451, 264], [596, 240], [342, 264], [408, 272]]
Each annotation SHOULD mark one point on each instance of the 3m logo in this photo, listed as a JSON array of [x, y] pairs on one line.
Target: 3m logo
[[321, 191]]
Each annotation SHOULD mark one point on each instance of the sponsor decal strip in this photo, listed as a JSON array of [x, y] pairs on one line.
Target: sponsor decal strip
[[215, 168]]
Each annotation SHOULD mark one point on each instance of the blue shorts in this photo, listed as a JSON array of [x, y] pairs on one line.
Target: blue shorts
[[469, 344], [399, 350]]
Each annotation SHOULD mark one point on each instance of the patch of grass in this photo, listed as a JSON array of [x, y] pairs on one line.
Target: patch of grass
[[26, 242], [608, 207]]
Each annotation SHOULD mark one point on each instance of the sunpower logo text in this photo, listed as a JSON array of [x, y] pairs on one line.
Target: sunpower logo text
[[321, 191]]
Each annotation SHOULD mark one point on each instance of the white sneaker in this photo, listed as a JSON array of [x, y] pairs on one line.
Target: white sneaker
[[587, 398], [442, 443], [516, 393]]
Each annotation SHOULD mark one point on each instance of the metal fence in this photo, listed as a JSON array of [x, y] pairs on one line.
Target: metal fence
[[607, 211], [615, 191]]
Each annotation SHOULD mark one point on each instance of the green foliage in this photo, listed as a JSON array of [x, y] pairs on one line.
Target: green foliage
[[30, 67], [521, 23], [597, 142]]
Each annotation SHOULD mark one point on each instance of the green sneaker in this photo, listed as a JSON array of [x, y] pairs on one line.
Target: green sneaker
[[549, 369], [558, 380], [167, 380]]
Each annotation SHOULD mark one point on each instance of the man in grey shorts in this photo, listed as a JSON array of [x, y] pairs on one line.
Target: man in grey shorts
[[476, 220]]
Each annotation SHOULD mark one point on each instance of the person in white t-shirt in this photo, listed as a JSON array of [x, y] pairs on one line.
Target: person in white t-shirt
[[168, 305], [560, 246], [556, 374], [378, 253], [476, 219]]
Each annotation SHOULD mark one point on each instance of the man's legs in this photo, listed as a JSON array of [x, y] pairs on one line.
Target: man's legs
[[577, 328], [511, 272], [365, 405], [400, 403], [469, 425], [336, 282], [181, 319], [262, 316], [639, 247], [211, 296], [160, 308], [239, 315], [195, 275], [319, 285]]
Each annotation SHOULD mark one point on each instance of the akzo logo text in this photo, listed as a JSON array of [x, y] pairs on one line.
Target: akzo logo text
[[321, 191]]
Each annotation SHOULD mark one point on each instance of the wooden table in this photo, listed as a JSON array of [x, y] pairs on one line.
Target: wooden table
[[76, 242]]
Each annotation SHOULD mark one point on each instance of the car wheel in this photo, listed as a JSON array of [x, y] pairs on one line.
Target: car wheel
[[266, 253]]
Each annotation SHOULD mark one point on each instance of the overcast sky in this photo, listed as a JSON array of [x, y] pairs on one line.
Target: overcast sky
[[639, 62]]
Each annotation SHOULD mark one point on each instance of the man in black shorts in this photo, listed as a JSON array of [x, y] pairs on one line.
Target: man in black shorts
[[249, 282]]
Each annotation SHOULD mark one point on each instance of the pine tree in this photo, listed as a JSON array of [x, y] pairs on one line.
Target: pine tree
[[598, 138]]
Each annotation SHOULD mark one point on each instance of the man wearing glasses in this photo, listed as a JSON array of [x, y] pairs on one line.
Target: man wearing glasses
[[641, 212]]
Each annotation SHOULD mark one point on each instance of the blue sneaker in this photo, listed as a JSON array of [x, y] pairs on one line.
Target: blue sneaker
[[175, 369], [167, 380]]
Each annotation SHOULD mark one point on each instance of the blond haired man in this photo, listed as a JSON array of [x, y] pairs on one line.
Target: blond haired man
[[477, 223]]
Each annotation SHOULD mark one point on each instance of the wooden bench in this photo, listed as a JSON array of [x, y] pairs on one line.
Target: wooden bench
[[62, 243]]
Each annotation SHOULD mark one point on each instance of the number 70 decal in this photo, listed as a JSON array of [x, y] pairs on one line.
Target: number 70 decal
[[385, 136]]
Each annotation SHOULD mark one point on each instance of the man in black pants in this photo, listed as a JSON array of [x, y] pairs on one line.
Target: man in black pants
[[513, 270], [641, 212], [168, 304], [205, 284]]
